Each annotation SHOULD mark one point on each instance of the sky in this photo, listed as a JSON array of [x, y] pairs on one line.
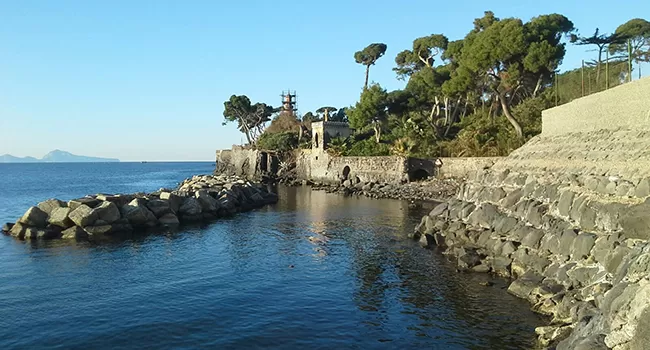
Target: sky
[[146, 80]]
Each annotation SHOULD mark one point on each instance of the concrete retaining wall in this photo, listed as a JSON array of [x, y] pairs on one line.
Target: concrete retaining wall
[[625, 106], [464, 167]]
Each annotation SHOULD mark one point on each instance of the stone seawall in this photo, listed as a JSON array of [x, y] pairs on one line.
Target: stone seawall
[[567, 216], [199, 198]]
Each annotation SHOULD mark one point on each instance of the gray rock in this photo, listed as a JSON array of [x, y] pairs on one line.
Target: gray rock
[[582, 245], [534, 214], [524, 285], [497, 194], [623, 188], [512, 198], [582, 275], [439, 209], [347, 183], [505, 224], [191, 206], [643, 188], [83, 215], [159, 207], [107, 212], [59, 217], [138, 214], [51, 204], [484, 215], [508, 248], [532, 239], [169, 219], [7, 227], [468, 258], [211, 205], [481, 268], [175, 201], [90, 202], [587, 216], [74, 232], [501, 266], [18, 230], [576, 206], [99, 231], [566, 241], [565, 203], [636, 221], [467, 209], [34, 217]]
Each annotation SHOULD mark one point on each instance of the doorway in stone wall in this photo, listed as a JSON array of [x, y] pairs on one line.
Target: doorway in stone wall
[[418, 175], [346, 173]]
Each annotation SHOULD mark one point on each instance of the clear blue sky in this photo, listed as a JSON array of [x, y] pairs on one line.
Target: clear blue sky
[[146, 80]]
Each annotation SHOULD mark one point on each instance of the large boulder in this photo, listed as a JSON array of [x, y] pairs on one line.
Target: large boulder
[[90, 202], [7, 227], [159, 207], [138, 214], [175, 201], [191, 207], [208, 203], [636, 221], [49, 205], [83, 216], [74, 232], [18, 230], [169, 219], [60, 217], [34, 217], [42, 233], [107, 212]]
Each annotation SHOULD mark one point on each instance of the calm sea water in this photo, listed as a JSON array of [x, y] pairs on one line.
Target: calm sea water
[[314, 271]]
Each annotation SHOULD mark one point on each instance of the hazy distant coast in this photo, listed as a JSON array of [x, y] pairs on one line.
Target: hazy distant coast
[[56, 156]]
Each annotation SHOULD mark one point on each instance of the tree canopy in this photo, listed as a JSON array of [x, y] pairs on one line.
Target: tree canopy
[[368, 56], [251, 118]]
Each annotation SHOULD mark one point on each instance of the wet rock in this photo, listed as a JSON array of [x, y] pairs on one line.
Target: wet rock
[[169, 219], [51, 204], [524, 285], [18, 230], [34, 217], [7, 227], [74, 232], [484, 215], [468, 258], [211, 205], [501, 266]]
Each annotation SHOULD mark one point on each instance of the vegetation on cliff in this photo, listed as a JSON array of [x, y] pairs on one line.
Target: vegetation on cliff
[[480, 95]]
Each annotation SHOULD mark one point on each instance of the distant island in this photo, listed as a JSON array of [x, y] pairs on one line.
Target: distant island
[[56, 156]]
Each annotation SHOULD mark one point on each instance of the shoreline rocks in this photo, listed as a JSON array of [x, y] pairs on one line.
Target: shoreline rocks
[[577, 256], [202, 197]]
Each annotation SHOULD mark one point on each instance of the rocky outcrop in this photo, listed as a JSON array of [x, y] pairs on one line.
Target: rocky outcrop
[[93, 217]]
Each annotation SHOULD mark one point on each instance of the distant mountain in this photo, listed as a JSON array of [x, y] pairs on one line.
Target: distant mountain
[[56, 156]]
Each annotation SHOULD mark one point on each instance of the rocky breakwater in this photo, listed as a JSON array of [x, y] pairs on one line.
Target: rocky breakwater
[[203, 197], [576, 246], [427, 190]]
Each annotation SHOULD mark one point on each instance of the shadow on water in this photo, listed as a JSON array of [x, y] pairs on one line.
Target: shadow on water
[[315, 270]]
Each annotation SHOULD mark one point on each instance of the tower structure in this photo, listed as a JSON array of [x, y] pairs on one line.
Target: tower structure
[[289, 102]]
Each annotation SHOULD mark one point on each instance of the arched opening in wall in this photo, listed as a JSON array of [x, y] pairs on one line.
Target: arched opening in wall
[[345, 173], [418, 175], [316, 140]]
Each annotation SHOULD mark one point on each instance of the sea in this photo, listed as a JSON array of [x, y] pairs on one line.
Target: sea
[[314, 271]]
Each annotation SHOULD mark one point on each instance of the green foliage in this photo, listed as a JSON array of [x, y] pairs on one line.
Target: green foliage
[[371, 107], [337, 146], [281, 142], [637, 31], [481, 136], [368, 56], [367, 148], [284, 122], [250, 118]]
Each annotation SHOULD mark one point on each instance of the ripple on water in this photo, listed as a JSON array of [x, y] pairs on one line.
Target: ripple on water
[[314, 271]]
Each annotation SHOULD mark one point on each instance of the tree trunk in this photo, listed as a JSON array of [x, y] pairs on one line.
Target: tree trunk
[[377, 132], [598, 64], [247, 131], [365, 85], [538, 85], [511, 119]]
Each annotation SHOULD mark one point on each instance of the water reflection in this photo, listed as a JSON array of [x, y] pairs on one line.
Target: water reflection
[[315, 270]]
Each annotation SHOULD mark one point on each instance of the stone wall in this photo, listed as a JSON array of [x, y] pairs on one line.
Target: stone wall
[[568, 217], [320, 166], [462, 167]]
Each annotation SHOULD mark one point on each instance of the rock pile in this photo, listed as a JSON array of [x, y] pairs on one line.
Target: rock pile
[[429, 190], [577, 255], [204, 197]]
